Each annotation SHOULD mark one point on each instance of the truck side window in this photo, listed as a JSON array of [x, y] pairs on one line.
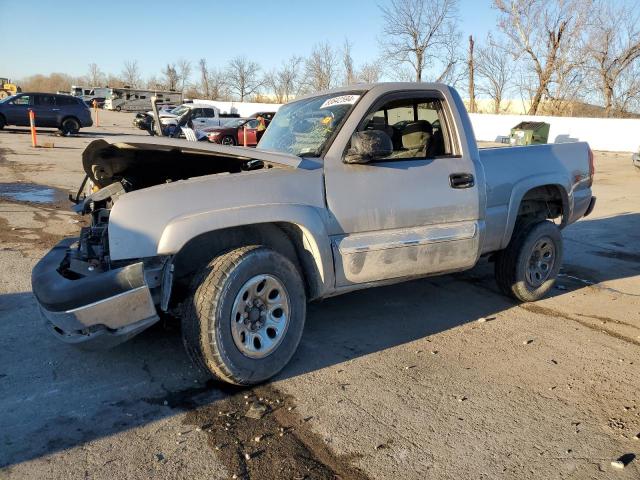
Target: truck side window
[[415, 126]]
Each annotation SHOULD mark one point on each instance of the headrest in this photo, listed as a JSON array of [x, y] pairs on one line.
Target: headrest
[[416, 134]]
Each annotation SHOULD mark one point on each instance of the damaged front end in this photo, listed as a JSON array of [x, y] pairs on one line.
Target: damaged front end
[[86, 296]]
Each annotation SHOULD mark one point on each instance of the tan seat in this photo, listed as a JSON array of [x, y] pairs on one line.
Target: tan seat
[[416, 138]]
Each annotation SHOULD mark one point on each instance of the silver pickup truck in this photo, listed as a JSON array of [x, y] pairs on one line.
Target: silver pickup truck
[[350, 188]]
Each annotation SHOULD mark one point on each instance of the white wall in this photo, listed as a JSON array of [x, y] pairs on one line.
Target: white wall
[[244, 109], [610, 134]]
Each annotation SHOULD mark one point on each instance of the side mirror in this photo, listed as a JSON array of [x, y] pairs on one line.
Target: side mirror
[[367, 146]]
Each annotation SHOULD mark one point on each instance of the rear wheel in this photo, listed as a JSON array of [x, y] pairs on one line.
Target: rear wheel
[[2, 122], [70, 126], [527, 269], [118, 108], [246, 314]]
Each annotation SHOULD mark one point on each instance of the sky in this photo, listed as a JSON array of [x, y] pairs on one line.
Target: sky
[[65, 36]]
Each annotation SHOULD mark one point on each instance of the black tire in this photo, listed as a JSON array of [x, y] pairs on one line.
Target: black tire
[[70, 126], [228, 140], [118, 108], [3, 122], [207, 314], [516, 272]]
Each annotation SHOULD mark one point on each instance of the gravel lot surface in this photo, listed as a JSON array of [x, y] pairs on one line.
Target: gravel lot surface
[[438, 378]]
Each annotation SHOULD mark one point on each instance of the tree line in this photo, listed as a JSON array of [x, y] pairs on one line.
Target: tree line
[[561, 57]]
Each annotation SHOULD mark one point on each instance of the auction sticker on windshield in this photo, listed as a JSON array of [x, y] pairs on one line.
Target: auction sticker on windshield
[[341, 100]]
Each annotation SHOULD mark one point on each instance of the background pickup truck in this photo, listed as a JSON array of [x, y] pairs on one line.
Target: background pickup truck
[[202, 116], [351, 188]]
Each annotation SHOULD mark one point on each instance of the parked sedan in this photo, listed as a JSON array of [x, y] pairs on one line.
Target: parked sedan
[[64, 112], [233, 132]]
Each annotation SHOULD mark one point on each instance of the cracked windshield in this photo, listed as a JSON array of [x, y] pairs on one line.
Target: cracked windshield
[[302, 128]]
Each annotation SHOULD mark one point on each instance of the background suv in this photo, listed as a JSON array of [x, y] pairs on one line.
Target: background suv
[[64, 112]]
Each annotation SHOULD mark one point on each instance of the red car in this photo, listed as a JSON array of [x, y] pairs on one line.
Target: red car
[[233, 132]]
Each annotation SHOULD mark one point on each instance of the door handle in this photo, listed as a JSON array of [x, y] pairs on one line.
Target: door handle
[[461, 180]]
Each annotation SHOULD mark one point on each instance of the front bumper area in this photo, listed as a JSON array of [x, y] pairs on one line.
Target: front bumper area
[[97, 311]]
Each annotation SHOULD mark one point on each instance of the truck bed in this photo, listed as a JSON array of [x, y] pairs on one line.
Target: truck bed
[[510, 171]]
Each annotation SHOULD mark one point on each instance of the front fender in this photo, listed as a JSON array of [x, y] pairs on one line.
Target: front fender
[[309, 219], [521, 188]]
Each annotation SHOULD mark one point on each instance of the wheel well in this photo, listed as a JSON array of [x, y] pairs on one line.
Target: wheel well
[[72, 117], [285, 238], [541, 203]]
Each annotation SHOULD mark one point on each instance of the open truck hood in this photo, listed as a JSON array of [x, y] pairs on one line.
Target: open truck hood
[[143, 161]]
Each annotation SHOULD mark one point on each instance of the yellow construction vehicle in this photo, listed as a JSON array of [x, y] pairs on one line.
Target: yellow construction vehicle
[[7, 88]]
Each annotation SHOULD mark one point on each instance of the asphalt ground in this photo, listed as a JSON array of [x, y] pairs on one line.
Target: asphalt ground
[[440, 378]]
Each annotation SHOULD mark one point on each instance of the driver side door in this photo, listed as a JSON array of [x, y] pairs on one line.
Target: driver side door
[[404, 215]]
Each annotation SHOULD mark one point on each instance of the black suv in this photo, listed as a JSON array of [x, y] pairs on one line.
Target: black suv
[[64, 112]]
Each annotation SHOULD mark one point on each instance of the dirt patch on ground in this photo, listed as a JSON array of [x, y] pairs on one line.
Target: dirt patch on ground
[[257, 434], [26, 236]]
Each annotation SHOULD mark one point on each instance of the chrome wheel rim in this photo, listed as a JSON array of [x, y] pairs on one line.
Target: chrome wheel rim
[[227, 141], [260, 316], [541, 262]]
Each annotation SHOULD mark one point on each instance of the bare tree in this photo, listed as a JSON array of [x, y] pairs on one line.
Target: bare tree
[[184, 72], [613, 46], [494, 67], [95, 75], [218, 85], [543, 32], [471, 75], [114, 81], [131, 73], [347, 64], [627, 97], [321, 67], [171, 76], [417, 31], [370, 72], [285, 82], [204, 78], [153, 83], [243, 77]]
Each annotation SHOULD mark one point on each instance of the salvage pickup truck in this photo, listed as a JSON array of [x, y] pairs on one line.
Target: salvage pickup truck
[[350, 188]]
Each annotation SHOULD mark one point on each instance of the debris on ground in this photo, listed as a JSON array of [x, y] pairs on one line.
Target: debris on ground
[[256, 410], [623, 461]]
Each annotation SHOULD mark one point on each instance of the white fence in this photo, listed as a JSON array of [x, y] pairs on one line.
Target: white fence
[[609, 134]]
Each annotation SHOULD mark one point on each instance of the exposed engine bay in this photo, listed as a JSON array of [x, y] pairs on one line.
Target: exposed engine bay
[[114, 169]]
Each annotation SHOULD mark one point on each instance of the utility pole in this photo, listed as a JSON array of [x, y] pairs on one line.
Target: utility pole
[[472, 85]]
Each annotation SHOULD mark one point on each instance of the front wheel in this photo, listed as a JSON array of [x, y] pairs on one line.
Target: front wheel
[[527, 269], [244, 319]]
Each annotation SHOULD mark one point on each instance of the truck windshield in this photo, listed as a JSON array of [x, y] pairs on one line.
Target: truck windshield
[[303, 128]]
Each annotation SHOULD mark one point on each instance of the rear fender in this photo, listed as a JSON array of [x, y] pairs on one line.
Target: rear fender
[[521, 188]]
